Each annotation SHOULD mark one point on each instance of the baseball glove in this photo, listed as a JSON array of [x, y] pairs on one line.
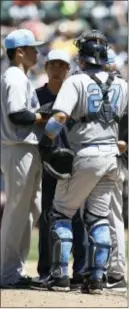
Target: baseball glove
[[57, 161]]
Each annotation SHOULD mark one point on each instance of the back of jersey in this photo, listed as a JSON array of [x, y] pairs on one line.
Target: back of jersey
[[89, 101]]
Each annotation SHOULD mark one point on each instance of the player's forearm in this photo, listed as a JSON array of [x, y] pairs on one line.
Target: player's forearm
[[55, 125], [25, 118]]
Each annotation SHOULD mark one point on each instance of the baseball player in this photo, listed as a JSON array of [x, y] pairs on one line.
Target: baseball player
[[96, 100], [21, 128], [57, 66], [116, 270]]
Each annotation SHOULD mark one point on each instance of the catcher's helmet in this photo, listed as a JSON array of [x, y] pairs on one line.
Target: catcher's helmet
[[92, 45]]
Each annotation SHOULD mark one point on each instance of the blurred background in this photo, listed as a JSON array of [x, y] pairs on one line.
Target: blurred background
[[58, 23]]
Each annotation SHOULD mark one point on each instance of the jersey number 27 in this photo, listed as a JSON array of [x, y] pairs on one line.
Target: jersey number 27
[[95, 97]]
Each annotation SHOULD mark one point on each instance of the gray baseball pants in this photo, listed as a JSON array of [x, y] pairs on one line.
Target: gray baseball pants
[[21, 167], [116, 267], [94, 177]]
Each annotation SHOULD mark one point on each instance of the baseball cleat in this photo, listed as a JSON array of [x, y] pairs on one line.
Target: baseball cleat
[[40, 283], [115, 285], [23, 283], [76, 282], [59, 284], [91, 286]]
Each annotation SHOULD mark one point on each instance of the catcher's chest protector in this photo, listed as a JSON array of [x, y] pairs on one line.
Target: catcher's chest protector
[[103, 109]]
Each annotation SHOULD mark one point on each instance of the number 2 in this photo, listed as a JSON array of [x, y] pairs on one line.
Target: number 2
[[95, 97]]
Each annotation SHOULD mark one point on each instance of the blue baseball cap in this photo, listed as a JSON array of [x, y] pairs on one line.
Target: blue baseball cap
[[111, 56], [58, 54], [20, 38]]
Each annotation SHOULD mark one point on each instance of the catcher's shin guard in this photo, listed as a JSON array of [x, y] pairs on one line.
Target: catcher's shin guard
[[99, 246], [61, 245]]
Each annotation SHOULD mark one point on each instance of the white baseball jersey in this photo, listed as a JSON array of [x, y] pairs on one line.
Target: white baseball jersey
[[17, 95], [79, 93]]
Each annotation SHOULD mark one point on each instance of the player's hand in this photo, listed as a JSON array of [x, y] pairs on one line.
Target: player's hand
[[40, 118], [122, 145]]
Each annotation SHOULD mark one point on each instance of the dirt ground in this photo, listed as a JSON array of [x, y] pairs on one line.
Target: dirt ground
[[43, 299]]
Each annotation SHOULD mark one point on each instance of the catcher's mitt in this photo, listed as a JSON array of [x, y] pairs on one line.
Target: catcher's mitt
[[57, 161]]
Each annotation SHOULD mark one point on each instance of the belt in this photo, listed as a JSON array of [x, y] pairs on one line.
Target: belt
[[99, 144]]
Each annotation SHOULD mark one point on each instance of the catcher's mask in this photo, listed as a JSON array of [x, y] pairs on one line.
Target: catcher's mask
[[92, 47]]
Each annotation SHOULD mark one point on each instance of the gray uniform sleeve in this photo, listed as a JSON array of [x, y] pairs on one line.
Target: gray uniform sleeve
[[16, 95], [67, 97]]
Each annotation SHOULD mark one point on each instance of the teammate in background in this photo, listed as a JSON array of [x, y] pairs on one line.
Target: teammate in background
[[57, 68], [96, 166], [116, 268], [21, 128]]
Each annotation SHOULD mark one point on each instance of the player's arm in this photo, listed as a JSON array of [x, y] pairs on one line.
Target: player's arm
[[16, 104], [25, 118], [65, 103]]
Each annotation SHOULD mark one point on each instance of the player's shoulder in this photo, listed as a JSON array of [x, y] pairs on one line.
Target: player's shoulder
[[13, 75], [77, 78], [103, 75], [117, 78], [120, 81]]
